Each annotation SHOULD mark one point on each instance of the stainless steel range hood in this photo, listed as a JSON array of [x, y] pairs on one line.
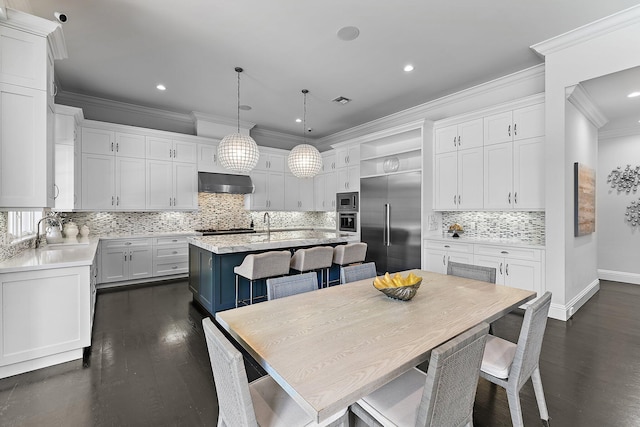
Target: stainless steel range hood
[[224, 183]]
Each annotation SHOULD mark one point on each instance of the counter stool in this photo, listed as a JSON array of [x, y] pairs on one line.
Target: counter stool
[[348, 254], [311, 259], [261, 266]]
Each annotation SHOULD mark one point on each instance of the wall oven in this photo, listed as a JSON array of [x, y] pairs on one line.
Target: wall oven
[[347, 202], [348, 221]]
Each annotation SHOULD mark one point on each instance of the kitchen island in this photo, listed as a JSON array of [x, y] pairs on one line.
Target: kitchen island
[[212, 259]]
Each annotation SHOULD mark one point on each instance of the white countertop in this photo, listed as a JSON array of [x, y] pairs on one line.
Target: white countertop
[[54, 256], [147, 235], [233, 243], [514, 242]]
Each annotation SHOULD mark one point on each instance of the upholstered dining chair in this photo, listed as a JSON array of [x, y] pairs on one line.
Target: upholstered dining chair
[[357, 272], [475, 272], [442, 397], [511, 365], [259, 403], [281, 287]]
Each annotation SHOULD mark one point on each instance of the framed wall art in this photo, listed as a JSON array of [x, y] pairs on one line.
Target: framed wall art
[[584, 199]]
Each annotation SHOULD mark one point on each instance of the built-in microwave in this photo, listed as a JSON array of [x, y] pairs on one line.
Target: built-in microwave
[[348, 221], [347, 202]]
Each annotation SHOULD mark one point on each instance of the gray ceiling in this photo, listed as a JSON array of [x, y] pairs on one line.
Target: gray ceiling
[[121, 49]]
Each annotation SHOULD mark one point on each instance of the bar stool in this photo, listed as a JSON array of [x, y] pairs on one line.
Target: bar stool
[[261, 266], [316, 258], [348, 254]]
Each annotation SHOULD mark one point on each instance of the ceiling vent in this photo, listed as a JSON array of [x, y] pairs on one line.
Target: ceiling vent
[[341, 100]]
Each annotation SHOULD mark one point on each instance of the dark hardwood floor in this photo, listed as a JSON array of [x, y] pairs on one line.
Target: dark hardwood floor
[[149, 366]]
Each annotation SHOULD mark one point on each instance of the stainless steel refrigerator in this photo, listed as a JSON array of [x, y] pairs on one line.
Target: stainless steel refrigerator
[[390, 220]]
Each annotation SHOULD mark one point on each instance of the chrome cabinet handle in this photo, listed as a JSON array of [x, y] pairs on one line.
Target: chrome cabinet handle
[[174, 201], [174, 267], [174, 240], [506, 269], [174, 252], [117, 147], [112, 146], [515, 129], [458, 199], [130, 256], [454, 199], [500, 268], [504, 252], [515, 197], [459, 142], [454, 141], [125, 257], [443, 261], [56, 189], [175, 154], [170, 153], [111, 200], [509, 130], [509, 197], [170, 202], [127, 243], [447, 246]]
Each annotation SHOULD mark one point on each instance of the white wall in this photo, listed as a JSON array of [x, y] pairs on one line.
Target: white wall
[[618, 241], [582, 146]]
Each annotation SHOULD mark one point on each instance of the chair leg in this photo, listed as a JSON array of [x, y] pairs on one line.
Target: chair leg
[[250, 292], [237, 291], [515, 409], [536, 379]]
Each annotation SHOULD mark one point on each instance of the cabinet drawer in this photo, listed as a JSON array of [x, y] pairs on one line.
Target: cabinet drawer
[[449, 246], [509, 252], [169, 268], [165, 252], [125, 243], [166, 241]]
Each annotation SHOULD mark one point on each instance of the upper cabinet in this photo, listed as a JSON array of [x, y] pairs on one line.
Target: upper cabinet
[[171, 149], [268, 179], [28, 46], [68, 158], [491, 159], [348, 168]]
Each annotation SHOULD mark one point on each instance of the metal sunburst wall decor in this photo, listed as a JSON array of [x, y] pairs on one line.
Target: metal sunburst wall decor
[[625, 180], [633, 213]]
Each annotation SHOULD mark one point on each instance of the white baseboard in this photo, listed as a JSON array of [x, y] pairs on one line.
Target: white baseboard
[[141, 281], [619, 276], [564, 312], [41, 362]]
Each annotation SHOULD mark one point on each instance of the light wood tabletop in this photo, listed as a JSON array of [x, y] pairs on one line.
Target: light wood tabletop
[[330, 347]]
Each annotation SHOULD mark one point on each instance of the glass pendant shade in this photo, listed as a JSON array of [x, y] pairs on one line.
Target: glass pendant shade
[[238, 152], [304, 161]]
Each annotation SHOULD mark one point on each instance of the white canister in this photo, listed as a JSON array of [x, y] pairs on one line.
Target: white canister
[[84, 231], [71, 232]]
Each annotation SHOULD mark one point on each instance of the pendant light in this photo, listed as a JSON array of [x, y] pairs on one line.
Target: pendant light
[[236, 151], [304, 160]]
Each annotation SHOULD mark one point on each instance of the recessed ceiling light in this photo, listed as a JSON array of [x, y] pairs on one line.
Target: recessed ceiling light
[[348, 33], [408, 68], [161, 87], [633, 94], [298, 120]]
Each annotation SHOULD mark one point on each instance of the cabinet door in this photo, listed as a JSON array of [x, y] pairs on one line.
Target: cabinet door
[[330, 183], [528, 122], [159, 148], [98, 182], [115, 263], [446, 182], [470, 178], [64, 170], [498, 176], [492, 262], [319, 193], [435, 260], [208, 159], [353, 183], [98, 141], [23, 139], [446, 139], [50, 174], [194, 270], [206, 280], [342, 180], [185, 178], [342, 157], [257, 201], [306, 194], [329, 162], [23, 59], [528, 173], [523, 274], [185, 152], [291, 193], [498, 128], [470, 134], [130, 145], [140, 262], [275, 186], [276, 163], [130, 183], [159, 184]]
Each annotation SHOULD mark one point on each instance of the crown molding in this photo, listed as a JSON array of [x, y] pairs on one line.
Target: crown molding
[[3, 10], [619, 133], [589, 31], [581, 99], [405, 127], [420, 112], [30, 23], [221, 120], [79, 100]]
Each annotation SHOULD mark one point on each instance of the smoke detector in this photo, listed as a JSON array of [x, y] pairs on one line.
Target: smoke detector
[[341, 100]]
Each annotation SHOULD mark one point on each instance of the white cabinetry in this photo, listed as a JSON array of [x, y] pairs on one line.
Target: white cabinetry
[[268, 179], [68, 158], [26, 115], [208, 160], [170, 256], [171, 185], [298, 193], [515, 267], [324, 190], [396, 150], [171, 149], [125, 259], [521, 123], [45, 318], [437, 254], [348, 168], [459, 136], [458, 180]]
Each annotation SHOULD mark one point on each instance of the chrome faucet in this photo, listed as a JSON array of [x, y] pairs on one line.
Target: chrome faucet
[[267, 219], [38, 235]]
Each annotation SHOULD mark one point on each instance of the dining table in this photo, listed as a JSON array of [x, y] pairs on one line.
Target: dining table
[[330, 347]]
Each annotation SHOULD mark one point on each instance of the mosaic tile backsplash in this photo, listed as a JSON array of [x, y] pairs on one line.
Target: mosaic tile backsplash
[[219, 211], [525, 226]]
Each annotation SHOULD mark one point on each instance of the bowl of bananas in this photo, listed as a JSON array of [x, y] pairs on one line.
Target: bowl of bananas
[[398, 287]]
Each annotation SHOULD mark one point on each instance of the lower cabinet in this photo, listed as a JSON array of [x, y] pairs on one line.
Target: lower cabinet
[[515, 266], [45, 317], [201, 276], [170, 256], [126, 259]]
